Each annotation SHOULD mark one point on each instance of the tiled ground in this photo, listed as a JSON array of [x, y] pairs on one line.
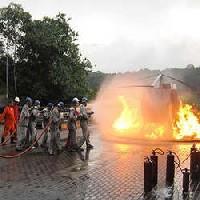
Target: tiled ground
[[110, 171]]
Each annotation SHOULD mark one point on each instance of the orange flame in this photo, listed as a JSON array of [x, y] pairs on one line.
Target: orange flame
[[127, 119], [154, 131], [187, 126], [130, 121]]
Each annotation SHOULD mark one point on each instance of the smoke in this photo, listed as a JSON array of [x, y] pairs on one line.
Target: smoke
[[144, 110]]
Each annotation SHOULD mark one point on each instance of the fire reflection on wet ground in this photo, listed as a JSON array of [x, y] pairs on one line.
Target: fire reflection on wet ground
[[112, 170]]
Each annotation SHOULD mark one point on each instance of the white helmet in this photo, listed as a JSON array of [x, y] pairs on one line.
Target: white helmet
[[17, 99], [75, 100]]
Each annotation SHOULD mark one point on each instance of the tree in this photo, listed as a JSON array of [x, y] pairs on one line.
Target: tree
[[13, 20], [45, 54], [51, 61]]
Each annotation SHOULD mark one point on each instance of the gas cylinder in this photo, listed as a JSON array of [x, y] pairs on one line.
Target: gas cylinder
[[186, 180], [148, 165], [154, 159], [170, 169]]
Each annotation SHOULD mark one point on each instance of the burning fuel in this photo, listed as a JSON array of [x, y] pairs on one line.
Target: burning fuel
[[130, 121], [128, 118], [187, 126], [143, 113]]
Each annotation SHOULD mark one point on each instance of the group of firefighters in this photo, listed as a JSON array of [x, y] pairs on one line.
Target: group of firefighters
[[20, 127]]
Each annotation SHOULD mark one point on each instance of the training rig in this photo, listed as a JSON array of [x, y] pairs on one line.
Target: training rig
[[190, 177]]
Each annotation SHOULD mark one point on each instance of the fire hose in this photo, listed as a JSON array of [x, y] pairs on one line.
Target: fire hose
[[186, 158], [158, 151], [178, 164], [29, 148]]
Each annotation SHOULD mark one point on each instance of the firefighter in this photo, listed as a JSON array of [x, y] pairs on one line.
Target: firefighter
[[17, 115], [84, 116], [8, 116], [23, 124], [54, 143], [35, 113], [73, 117], [47, 112]]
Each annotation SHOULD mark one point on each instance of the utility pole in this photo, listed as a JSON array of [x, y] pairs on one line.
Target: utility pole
[[7, 71], [7, 82]]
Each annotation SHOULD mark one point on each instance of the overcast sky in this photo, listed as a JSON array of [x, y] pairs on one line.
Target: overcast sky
[[126, 35]]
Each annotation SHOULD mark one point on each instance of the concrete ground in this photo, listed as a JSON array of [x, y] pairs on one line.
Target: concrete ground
[[110, 171]]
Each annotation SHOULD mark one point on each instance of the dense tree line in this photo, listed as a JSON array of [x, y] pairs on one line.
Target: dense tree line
[[189, 75], [95, 79], [43, 55]]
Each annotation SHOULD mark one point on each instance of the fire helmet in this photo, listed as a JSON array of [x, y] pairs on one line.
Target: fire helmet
[[28, 99], [37, 103], [75, 100], [84, 99], [17, 99], [61, 104], [50, 105]]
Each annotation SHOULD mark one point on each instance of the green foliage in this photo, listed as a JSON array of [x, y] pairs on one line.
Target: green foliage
[[2, 77], [3, 61], [47, 57], [45, 60], [95, 79], [12, 24], [13, 20]]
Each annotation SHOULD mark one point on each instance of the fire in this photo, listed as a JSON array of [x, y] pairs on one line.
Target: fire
[[154, 131], [127, 119], [187, 125], [130, 122]]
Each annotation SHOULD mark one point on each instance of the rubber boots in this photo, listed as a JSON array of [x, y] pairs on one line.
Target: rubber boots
[[2, 139]]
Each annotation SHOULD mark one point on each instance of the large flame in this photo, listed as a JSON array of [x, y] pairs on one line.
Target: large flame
[[129, 122], [187, 125], [127, 113], [127, 119]]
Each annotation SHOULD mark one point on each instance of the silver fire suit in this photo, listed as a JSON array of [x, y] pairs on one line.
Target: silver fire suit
[[71, 143], [32, 125], [84, 124], [22, 127], [54, 132]]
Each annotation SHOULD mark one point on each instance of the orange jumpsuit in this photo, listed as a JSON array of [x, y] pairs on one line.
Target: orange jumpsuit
[[8, 116]]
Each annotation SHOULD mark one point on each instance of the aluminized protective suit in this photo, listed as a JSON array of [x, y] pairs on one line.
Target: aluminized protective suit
[[84, 123], [22, 127], [54, 142]]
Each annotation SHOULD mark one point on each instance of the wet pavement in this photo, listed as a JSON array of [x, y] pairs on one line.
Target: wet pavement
[[109, 171]]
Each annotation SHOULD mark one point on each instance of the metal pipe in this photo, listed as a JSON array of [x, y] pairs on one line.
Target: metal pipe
[[7, 81]]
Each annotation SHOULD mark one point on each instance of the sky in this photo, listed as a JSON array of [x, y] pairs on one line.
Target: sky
[[127, 35]]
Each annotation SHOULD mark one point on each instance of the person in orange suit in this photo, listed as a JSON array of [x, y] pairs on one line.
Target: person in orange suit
[[8, 116]]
